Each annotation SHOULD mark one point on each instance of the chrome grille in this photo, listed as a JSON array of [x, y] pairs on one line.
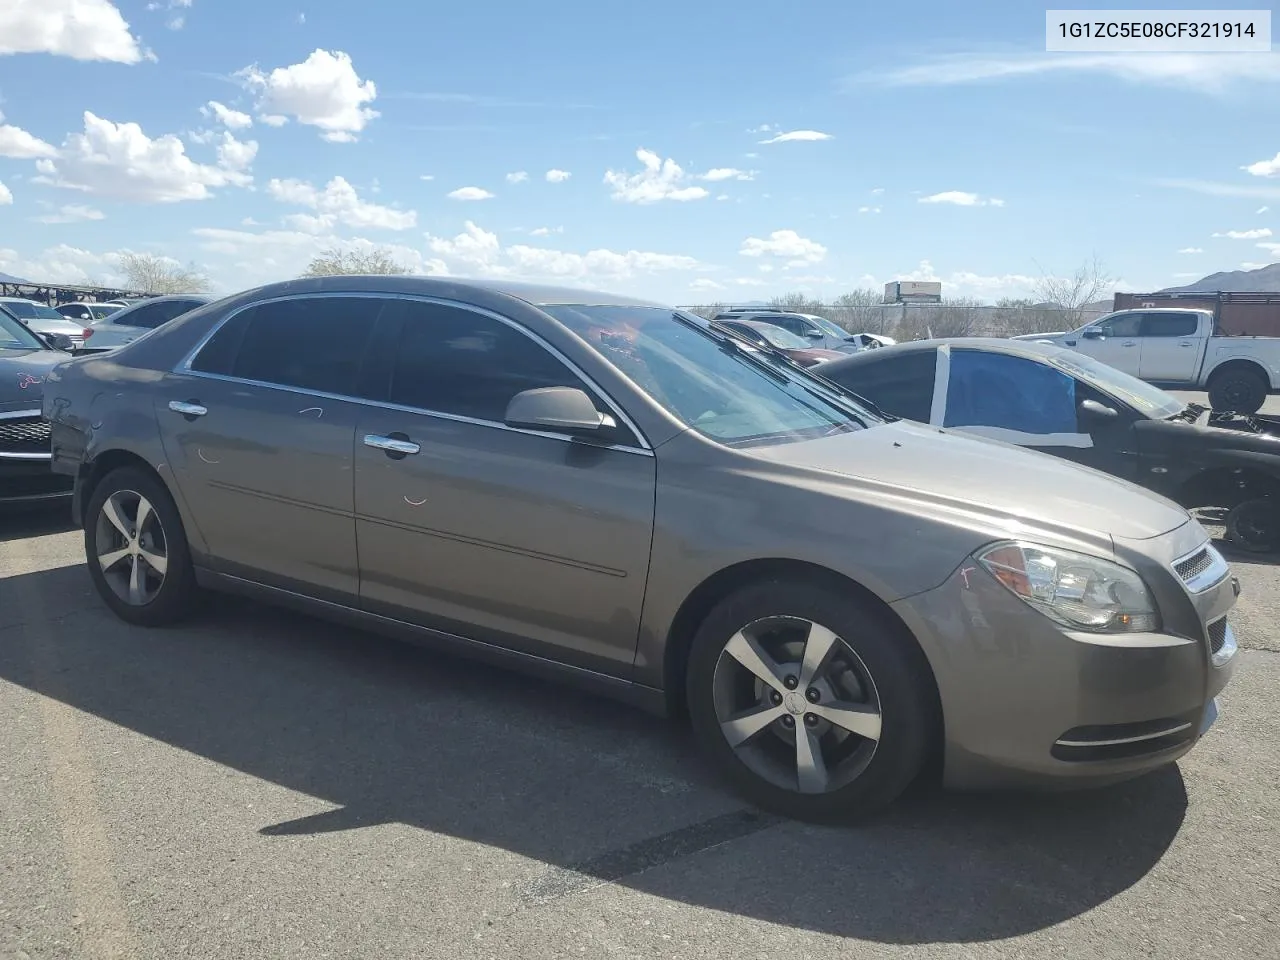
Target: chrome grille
[[26, 435], [1217, 634], [1194, 565]]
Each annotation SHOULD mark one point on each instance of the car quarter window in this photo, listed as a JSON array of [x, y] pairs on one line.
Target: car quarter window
[[1010, 393], [457, 361], [1129, 325], [1170, 325], [901, 386], [312, 343]]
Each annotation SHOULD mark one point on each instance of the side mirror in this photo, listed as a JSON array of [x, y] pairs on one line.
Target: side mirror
[[58, 341], [1092, 333], [814, 334], [1098, 411], [562, 409]]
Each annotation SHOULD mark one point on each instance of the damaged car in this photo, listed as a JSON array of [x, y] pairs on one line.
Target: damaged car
[[1048, 398]]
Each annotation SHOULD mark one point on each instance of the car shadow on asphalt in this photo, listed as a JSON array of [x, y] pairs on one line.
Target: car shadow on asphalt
[[594, 792], [21, 520]]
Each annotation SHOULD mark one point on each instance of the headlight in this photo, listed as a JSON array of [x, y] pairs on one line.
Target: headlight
[[1078, 591]]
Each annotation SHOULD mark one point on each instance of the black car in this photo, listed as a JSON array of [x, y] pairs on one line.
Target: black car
[[25, 361], [1061, 402]]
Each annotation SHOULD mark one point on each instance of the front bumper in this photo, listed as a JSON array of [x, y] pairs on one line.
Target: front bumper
[[1026, 703]]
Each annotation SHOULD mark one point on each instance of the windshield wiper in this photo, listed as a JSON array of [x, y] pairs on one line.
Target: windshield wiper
[[738, 348]]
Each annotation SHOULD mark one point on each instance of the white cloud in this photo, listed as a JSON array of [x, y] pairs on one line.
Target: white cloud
[[427, 176], [717, 174], [20, 145], [868, 209], [1265, 168], [961, 198], [1258, 234], [797, 136], [1191, 250], [1253, 265], [72, 213], [785, 243], [1271, 248], [236, 157], [545, 231], [80, 29], [119, 160], [1215, 189], [763, 128], [704, 283], [6, 195], [61, 264], [749, 282], [323, 91], [232, 119], [337, 203], [722, 196], [557, 176], [659, 180], [1261, 210], [273, 119], [877, 191], [470, 193], [1205, 72], [519, 176]]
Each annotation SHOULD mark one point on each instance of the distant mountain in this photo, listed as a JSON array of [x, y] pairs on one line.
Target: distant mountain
[[9, 278], [1263, 280]]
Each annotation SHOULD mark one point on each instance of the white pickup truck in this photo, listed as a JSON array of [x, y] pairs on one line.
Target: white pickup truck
[[1178, 349]]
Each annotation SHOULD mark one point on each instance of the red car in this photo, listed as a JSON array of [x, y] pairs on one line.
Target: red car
[[767, 335]]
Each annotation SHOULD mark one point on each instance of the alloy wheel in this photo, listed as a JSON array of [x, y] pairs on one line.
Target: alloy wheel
[[131, 547], [796, 704]]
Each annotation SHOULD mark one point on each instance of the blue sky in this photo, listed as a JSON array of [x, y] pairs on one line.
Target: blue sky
[[713, 150]]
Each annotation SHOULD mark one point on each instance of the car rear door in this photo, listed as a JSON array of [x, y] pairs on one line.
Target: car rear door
[[1169, 342], [528, 539], [259, 429]]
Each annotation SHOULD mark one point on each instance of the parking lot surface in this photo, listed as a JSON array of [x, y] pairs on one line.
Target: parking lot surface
[[259, 784]]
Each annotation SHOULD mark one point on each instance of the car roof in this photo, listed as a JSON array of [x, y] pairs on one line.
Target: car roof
[[451, 288], [1014, 348]]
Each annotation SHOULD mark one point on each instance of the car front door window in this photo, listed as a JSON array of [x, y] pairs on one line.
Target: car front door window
[[1011, 398]]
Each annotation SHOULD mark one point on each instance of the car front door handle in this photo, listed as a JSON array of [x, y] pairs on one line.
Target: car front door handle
[[1184, 343], [188, 408], [395, 446]]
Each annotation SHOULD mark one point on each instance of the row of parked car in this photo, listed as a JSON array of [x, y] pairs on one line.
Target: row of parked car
[[661, 508]]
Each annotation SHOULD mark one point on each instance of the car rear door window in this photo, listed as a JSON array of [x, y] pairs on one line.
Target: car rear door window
[[456, 361], [146, 316], [1009, 393], [311, 343], [901, 386], [1170, 325]]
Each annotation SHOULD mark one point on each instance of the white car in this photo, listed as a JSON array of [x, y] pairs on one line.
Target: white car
[[86, 311], [44, 320]]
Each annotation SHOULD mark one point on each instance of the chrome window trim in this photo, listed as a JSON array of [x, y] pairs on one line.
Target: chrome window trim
[[1212, 575], [184, 367]]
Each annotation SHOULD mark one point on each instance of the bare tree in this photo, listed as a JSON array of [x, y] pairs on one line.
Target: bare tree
[[860, 311], [146, 273], [336, 261], [708, 310], [1070, 294]]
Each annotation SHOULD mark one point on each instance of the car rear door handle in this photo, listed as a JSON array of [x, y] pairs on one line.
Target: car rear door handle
[[1186, 343], [393, 446], [188, 408], [1129, 343]]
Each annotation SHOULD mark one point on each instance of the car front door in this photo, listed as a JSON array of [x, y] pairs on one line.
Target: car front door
[[1115, 341], [529, 539], [1031, 404], [259, 429], [1169, 343]]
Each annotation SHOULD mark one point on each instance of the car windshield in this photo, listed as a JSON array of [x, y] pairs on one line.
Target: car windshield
[[710, 386], [14, 336], [29, 310], [1150, 401], [782, 339], [830, 329]]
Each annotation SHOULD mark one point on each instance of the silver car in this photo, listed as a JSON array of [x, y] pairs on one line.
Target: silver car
[[129, 323], [612, 492], [44, 320]]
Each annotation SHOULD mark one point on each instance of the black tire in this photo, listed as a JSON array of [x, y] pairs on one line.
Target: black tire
[[1238, 391], [176, 595], [902, 683], [1254, 525]]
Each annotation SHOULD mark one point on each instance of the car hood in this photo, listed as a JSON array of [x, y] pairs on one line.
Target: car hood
[[988, 477], [50, 325], [22, 374]]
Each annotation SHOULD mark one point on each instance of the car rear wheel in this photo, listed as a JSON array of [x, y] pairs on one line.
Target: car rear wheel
[[1238, 391], [137, 551], [811, 702]]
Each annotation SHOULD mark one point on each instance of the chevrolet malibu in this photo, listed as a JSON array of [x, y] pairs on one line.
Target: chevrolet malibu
[[606, 490]]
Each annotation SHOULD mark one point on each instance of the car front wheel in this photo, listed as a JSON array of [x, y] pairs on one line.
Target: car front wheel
[[136, 549], [812, 702]]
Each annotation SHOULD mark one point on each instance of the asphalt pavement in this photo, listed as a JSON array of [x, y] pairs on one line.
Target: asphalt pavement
[[257, 784]]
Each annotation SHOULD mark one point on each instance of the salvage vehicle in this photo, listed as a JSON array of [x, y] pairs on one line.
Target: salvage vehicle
[[1182, 350], [817, 331], [1061, 402], [766, 335], [130, 323], [25, 361], [43, 320], [612, 492]]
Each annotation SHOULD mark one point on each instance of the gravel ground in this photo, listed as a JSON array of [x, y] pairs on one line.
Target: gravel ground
[[261, 785]]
